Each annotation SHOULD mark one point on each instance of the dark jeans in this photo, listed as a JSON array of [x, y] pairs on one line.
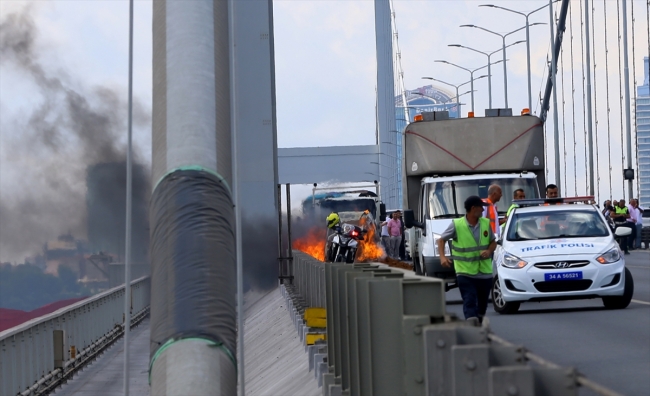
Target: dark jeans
[[475, 293], [628, 241]]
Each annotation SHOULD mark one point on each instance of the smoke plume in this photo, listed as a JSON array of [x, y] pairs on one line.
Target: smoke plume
[[66, 128]]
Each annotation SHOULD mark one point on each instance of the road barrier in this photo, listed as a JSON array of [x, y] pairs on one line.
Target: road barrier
[[37, 355], [388, 333]]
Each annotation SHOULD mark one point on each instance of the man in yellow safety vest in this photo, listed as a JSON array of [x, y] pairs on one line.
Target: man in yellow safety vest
[[472, 246]]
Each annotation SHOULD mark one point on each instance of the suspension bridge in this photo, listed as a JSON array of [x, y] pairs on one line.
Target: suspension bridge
[[182, 331]]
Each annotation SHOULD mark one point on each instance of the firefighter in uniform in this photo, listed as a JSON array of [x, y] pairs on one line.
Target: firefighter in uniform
[[472, 246]]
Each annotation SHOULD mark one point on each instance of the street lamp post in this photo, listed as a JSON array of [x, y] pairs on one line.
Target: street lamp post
[[530, 97], [488, 54], [503, 38], [471, 75]]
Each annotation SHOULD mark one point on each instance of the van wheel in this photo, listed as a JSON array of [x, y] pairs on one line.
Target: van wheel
[[621, 302], [500, 305]]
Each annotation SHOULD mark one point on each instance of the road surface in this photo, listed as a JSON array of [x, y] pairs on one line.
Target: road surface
[[611, 347]]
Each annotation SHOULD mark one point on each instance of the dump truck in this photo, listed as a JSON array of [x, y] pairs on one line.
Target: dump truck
[[447, 160]]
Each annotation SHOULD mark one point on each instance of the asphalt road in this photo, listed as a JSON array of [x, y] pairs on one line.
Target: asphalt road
[[611, 347]]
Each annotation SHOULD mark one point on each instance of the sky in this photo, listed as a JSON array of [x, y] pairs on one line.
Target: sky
[[325, 72]]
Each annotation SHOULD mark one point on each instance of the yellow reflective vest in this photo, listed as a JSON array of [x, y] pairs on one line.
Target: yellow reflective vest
[[466, 253]]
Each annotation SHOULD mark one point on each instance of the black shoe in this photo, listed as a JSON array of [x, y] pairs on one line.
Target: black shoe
[[627, 252]]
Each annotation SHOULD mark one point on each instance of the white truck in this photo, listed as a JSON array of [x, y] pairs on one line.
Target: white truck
[[447, 160]]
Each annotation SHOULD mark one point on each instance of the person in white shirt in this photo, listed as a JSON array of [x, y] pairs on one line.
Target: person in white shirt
[[636, 217], [385, 237]]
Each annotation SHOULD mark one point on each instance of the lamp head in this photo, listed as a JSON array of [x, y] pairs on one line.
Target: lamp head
[[454, 45], [468, 26]]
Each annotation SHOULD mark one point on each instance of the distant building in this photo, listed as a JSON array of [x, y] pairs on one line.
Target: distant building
[[425, 99], [643, 136]]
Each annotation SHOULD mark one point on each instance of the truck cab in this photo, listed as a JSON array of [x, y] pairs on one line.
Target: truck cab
[[441, 200]]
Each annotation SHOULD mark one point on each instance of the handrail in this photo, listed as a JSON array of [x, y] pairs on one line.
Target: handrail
[[31, 352], [61, 311]]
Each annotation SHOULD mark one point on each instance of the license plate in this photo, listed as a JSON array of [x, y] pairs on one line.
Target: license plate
[[560, 276]]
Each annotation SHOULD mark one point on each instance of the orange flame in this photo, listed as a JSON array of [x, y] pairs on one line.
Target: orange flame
[[369, 249], [313, 244]]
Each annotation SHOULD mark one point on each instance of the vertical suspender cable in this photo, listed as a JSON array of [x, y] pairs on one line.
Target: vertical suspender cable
[[620, 87], [595, 107], [636, 131], [573, 105], [566, 184], [609, 138], [236, 192], [590, 135], [129, 185], [626, 77], [556, 132], [588, 180]]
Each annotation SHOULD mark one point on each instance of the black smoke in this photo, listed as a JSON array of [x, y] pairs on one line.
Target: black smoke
[[49, 152]]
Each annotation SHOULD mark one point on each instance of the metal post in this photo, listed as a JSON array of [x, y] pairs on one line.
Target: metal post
[[458, 103], [590, 137], [472, 88], [556, 132], [238, 224], [489, 81], [626, 77], [129, 198], [289, 251], [530, 95], [505, 72], [280, 272]]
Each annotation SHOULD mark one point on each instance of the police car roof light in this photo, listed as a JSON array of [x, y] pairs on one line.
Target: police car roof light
[[542, 201]]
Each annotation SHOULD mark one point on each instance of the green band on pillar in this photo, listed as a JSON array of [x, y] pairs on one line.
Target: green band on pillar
[[210, 343], [195, 168]]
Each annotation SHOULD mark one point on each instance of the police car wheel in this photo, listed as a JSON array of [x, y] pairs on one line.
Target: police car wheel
[[500, 305], [621, 302]]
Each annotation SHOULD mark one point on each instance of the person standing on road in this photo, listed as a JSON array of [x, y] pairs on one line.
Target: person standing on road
[[636, 213], [402, 244], [620, 217], [385, 237], [518, 194], [395, 231], [473, 243], [551, 191], [490, 212]]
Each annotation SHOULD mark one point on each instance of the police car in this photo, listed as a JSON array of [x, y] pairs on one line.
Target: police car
[[559, 249]]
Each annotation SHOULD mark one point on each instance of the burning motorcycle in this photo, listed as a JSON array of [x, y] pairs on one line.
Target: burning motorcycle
[[343, 243]]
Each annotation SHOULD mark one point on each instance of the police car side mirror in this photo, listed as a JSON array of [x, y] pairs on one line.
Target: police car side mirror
[[623, 231], [382, 212], [499, 242]]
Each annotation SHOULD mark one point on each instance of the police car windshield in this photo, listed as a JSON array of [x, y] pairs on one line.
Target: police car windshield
[[446, 198], [556, 224]]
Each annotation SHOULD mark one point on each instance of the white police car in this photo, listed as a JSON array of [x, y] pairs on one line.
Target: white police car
[[559, 251]]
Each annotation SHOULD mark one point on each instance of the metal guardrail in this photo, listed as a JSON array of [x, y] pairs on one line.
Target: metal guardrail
[[43, 350], [388, 333]]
